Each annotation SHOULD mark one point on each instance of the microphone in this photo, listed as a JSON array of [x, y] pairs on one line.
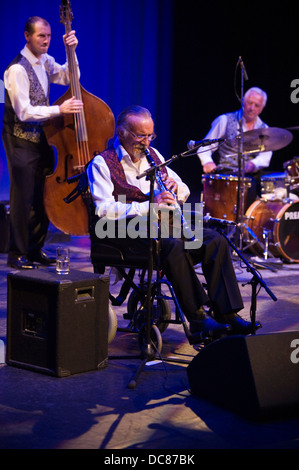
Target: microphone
[[218, 222], [243, 68], [203, 143]]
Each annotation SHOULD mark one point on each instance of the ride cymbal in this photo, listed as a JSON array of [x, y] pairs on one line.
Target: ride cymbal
[[265, 139]]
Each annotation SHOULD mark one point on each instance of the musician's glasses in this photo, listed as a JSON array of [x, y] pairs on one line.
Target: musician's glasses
[[140, 138]]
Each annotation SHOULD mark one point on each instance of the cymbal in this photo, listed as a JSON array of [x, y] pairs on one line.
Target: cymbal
[[265, 139]]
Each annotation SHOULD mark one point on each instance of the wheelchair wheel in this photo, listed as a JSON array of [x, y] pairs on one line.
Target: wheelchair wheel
[[161, 310], [155, 342], [112, 323]]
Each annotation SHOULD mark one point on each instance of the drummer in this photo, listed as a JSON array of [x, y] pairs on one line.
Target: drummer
[[225, 159]]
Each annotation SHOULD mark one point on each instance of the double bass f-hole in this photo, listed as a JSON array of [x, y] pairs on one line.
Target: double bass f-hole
[[68, 175], [66, 170]]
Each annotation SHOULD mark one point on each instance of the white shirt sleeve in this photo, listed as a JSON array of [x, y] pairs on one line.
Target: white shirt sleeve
[[101, 188], [262, 160], [59, 74], [17, 84]]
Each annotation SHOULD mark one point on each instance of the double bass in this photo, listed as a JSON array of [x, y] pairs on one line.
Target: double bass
[[76, 138]]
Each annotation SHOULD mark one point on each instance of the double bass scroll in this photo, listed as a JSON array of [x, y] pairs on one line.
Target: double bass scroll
[[76, 138]]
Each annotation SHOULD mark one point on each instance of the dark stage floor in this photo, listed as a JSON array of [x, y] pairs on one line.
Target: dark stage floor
[[97, 410]]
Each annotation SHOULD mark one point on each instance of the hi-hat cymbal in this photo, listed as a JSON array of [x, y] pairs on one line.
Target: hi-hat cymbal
[[265, 139]]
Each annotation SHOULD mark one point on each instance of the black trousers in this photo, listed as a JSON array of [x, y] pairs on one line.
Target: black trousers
[[223, 293], [28, 165]]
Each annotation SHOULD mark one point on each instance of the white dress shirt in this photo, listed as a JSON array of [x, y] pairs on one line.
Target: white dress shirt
[[17, 84], [101, 186], [217, 131]]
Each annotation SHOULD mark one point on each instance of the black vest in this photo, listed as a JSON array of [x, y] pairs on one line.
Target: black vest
[[118, 177], [228, 151], [31, 131]]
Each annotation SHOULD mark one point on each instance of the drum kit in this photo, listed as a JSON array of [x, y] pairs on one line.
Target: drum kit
[[270, 224]]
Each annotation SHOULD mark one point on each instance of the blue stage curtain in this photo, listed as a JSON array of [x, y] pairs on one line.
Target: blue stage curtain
[[124, 51]]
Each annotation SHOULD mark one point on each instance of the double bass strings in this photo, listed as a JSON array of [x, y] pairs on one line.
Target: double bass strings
[[79, 118]]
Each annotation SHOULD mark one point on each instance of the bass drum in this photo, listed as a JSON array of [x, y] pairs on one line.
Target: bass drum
[[281, 220]]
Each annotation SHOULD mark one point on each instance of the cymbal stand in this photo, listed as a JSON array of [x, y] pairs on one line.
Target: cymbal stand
[[240, 216], [241, 226]]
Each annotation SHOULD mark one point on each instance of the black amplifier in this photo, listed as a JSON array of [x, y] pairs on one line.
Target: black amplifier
[[57, 324]]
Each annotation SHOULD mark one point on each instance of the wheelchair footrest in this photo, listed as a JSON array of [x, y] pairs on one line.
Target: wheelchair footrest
[[197, 338]]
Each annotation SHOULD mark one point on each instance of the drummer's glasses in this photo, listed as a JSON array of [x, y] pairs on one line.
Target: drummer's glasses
[[140, 138]]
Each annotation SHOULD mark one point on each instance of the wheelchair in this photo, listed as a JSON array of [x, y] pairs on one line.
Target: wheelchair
[[131, 262]]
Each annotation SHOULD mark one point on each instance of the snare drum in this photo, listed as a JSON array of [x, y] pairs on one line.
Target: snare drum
[[281, 220], [274, 186], [220, 195]]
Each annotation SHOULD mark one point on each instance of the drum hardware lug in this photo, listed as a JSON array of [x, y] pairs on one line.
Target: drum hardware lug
[[266, 243]]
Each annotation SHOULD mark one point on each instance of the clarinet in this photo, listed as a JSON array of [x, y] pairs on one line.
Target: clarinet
[[176, 206]]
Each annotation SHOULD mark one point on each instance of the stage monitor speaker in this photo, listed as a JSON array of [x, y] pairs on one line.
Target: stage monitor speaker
[[57, 324], [256, 376]]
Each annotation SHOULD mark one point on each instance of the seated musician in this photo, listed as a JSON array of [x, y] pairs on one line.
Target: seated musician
[[113, 174], [227, 126]]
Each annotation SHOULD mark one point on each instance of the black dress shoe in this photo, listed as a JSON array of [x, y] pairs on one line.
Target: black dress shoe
[[240, 326], [20, 262], [208, 327], [42, 258]]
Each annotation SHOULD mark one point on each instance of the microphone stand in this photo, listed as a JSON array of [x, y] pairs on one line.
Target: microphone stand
[[150, 174], [147, 353], [241, 164], [255, 281]]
